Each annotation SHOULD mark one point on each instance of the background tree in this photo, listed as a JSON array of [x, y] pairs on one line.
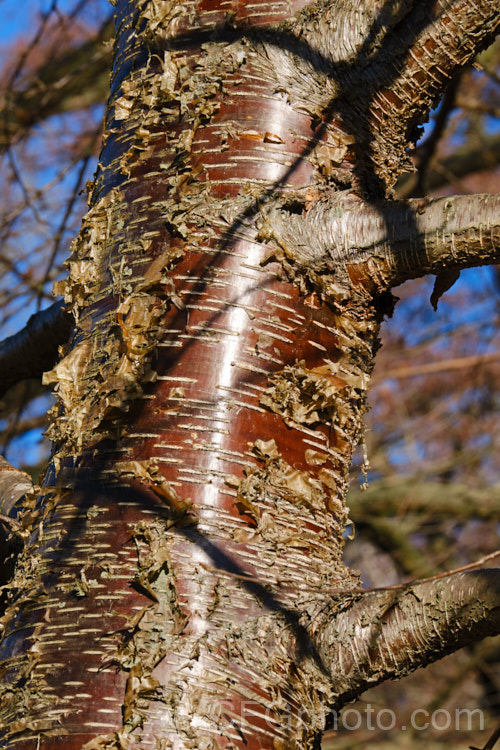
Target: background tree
[[281, 215]]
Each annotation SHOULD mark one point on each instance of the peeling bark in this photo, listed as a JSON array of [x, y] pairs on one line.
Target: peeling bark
[[390, 632], [188, 539], [346, 240], [13, 485]]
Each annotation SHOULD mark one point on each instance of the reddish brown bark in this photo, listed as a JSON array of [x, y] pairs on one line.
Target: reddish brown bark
[[188, 542]]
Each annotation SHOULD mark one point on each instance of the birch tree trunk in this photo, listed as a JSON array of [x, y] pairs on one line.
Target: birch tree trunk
[[181, 583]]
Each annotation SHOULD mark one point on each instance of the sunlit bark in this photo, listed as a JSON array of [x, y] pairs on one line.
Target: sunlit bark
[[187, 544], [388, 633], [389, 242]]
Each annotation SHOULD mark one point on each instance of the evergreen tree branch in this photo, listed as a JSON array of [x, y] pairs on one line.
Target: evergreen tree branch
[[382, 499]]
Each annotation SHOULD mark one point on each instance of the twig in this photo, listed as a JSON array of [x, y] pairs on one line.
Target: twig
[[445, 574], [456, 363], [491, 742]]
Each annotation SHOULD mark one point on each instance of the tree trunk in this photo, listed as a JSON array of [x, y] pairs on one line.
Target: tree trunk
[[182, 583]]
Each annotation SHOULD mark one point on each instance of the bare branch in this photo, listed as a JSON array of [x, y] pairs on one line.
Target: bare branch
[[389, 633], [76, 79], [438, 366], [450, 35], [34, 350], [464, 161], [386, 243], [492, 741], [400, 54], [442, 234]]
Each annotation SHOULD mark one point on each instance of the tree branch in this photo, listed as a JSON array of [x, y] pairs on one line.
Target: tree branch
[[400, 54], [34, 349], [440, 234], [388, 633], [463, 162], [76, 79], [428, 47], [386, 243]]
